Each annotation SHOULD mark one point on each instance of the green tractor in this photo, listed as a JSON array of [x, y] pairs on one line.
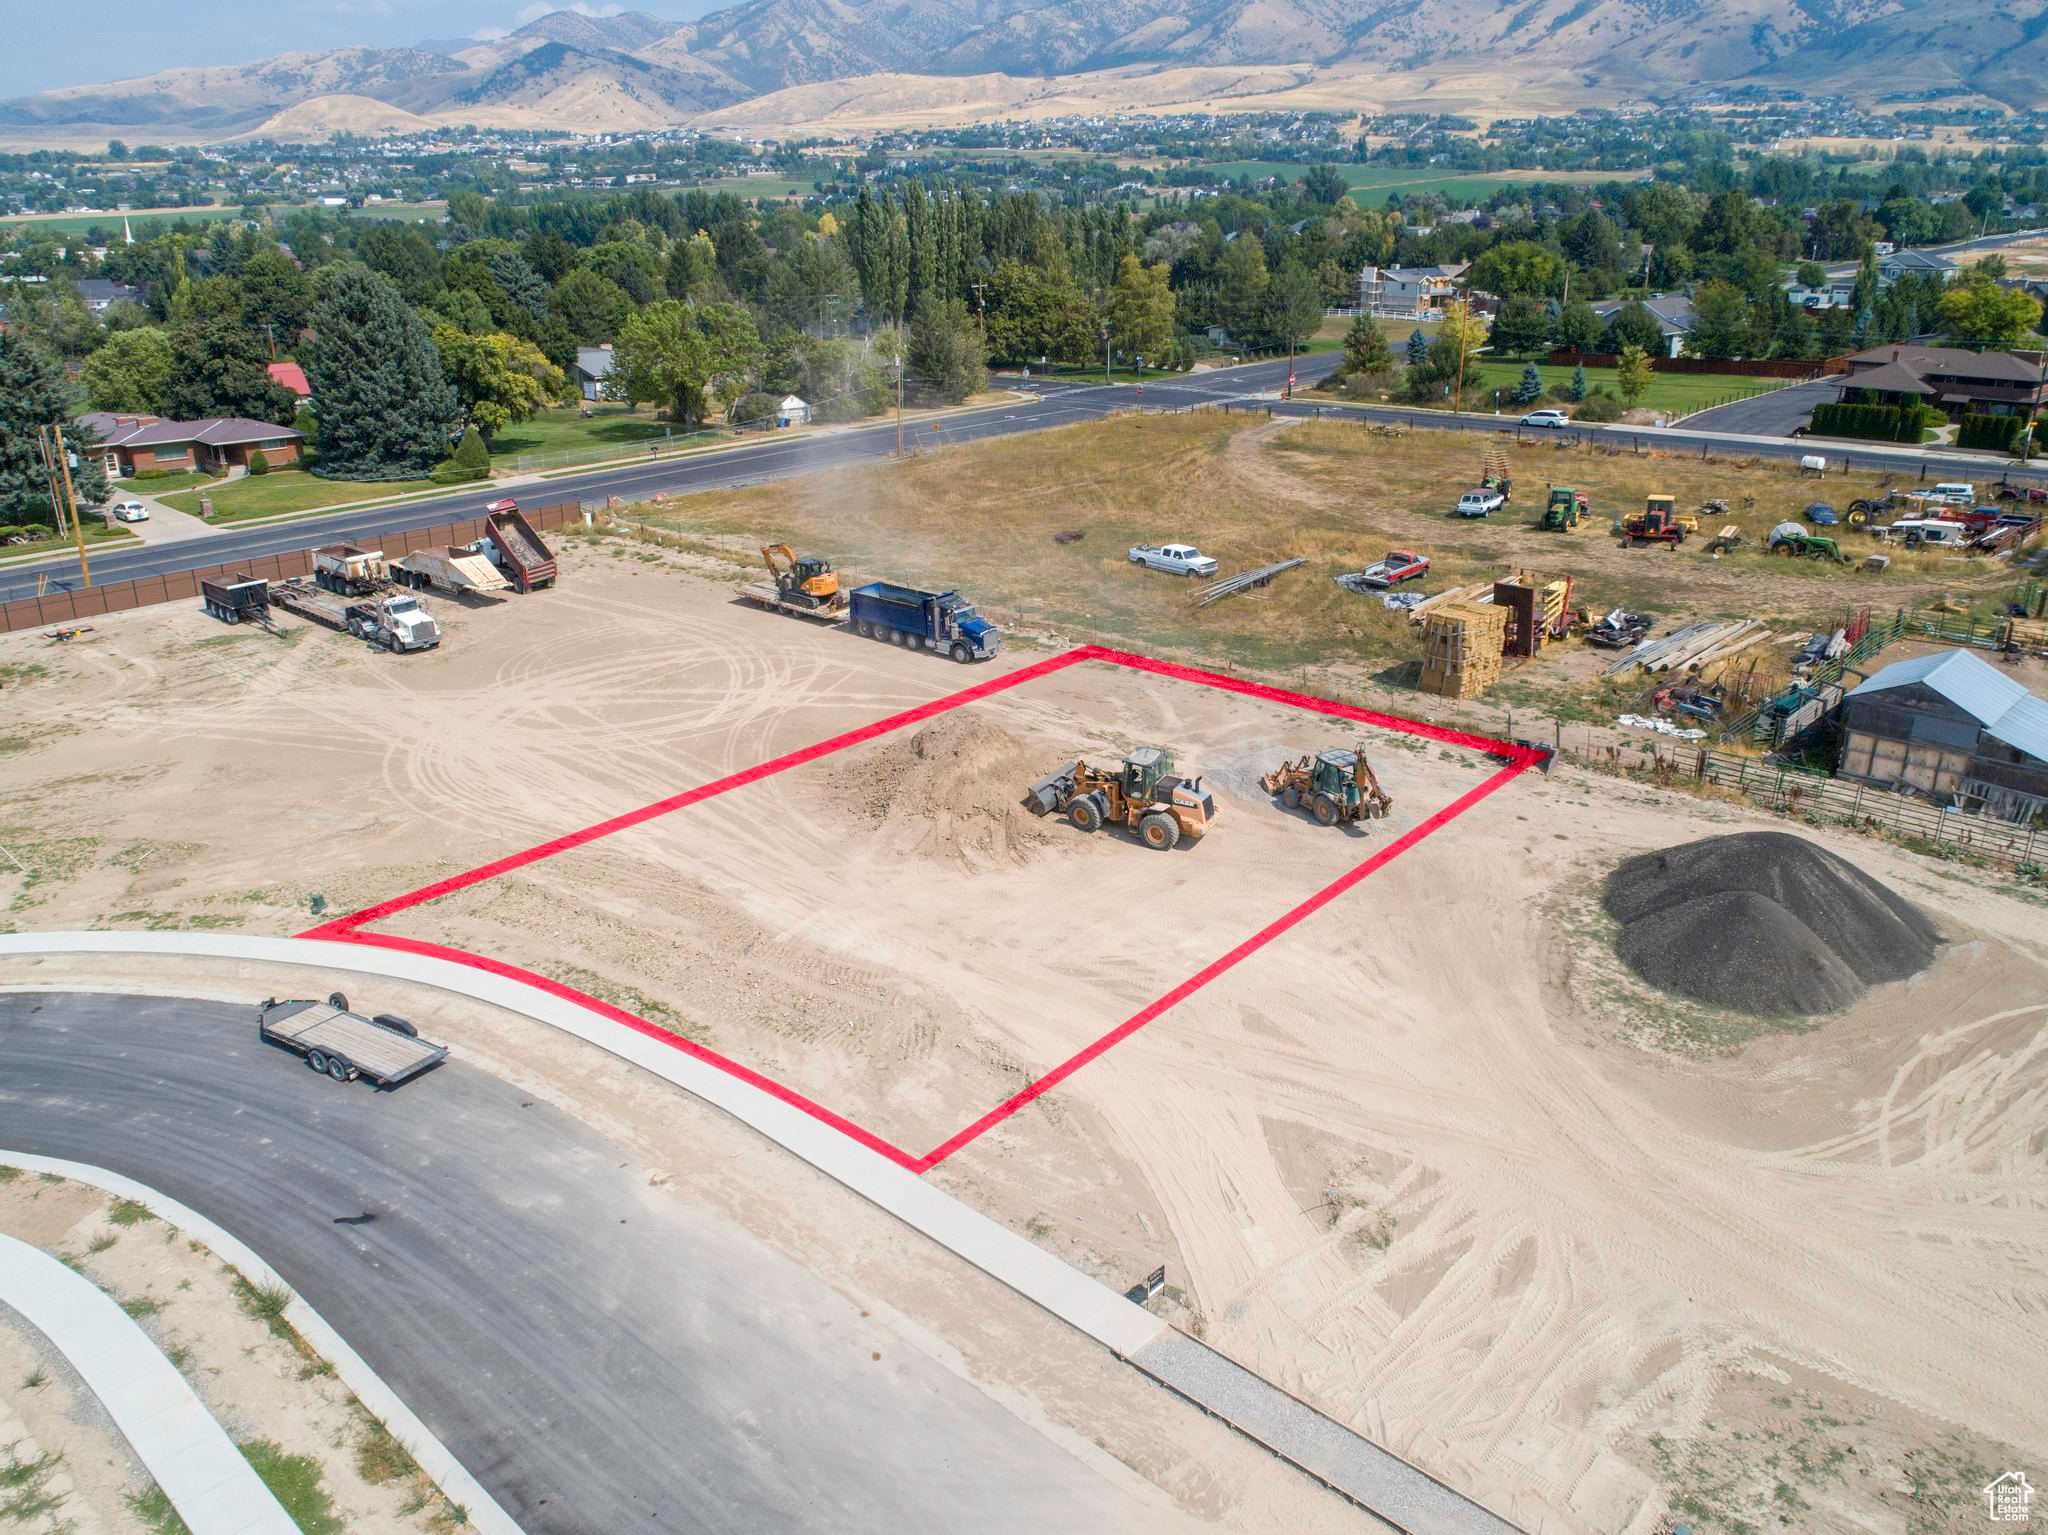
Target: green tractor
[[1567, 509], [1794, 540]]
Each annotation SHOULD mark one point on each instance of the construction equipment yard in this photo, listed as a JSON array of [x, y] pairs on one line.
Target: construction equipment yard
[[1405, 1134]]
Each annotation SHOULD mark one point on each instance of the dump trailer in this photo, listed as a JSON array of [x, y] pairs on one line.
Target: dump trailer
[[345, 1045], [394, 620], [239, 599], [1144, 795], [513, 544], [1337, 785], [349, 570], [941, 621], [446, 569]]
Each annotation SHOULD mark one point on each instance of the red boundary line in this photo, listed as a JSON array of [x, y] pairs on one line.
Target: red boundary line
[[1519, 759]]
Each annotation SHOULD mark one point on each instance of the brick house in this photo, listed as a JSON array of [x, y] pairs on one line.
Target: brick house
[[139, 444]]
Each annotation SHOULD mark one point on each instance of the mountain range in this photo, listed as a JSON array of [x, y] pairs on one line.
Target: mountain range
[[767, 64]]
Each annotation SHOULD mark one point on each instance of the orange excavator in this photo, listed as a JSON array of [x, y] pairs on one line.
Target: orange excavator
[[805, 581]]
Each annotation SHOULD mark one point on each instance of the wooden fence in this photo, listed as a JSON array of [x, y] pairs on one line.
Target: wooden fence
[[69, 607]]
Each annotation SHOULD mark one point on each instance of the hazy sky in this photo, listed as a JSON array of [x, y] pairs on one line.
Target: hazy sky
[[50, 45]]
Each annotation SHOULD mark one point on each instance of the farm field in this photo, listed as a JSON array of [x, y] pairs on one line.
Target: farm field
[[1373, 183], [1416, 1158]]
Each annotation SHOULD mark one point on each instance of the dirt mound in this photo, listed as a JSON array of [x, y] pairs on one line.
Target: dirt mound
[[1765, 923], [951, 790]]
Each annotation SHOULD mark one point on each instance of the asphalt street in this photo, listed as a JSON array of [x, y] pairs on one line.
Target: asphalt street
[[1051, 404], [600, 1356], [1776, 413]]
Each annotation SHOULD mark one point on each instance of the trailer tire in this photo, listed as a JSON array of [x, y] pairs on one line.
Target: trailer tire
[[863, 628], [340, 1070], [961, 653], [338, 1001], [1325, 810], [317, 1059], [1160, 831], [1085, 815], [230, 616]]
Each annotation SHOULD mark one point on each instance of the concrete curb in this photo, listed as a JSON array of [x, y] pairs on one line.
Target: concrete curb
[[382, 1402], [214, 1489]]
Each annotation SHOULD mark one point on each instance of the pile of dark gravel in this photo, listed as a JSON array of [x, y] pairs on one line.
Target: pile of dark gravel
[[1764, 923]]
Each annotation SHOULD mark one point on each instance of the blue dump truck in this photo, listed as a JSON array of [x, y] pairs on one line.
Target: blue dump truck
[[941, 621]]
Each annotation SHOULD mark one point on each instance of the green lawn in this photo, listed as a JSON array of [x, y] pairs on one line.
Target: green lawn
[[288, 490], [565, 429], [164, 484], [96, 534], [1371, 184], [1674, 393], [760, 185], [79, 223]]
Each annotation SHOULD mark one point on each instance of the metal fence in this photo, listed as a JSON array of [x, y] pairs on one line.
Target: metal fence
[[69, 607]]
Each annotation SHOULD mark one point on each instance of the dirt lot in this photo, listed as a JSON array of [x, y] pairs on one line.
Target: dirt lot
[[1426, 1159]]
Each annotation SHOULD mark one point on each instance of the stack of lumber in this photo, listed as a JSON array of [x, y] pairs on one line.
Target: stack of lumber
[[2028, 634], [1476, 591], [1695, 644], [1551, 596], [1461, 649]]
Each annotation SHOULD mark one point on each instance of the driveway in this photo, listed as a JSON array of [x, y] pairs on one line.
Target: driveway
[[600, 1355], [166, 525], [1779, 413]]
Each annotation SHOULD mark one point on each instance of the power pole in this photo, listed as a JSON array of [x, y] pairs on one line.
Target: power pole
[[50, 477], [1105, 351], [899, 404], [71, 497], [980, 297]]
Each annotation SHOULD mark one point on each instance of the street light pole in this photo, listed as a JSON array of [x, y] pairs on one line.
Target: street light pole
[[899, 404], [1105, 351]]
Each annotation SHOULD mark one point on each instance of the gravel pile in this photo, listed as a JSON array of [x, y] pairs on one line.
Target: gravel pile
[[1765, 923]]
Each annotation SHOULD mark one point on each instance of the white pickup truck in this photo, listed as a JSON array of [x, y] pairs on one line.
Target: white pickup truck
[[1176, 559], [1477, 503]]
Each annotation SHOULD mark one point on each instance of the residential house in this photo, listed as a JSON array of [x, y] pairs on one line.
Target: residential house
[[293, 377], [1672, 312], [1953, 728], [593, 367], [1410, 292], [793, 411], [1908, 263], [142, 444], [1953, 379], [97, 293], [1829, 295]]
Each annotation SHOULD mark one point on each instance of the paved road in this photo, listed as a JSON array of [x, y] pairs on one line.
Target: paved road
[[1777, 413], [1959, 248], [599, 1357], [1052, 404]]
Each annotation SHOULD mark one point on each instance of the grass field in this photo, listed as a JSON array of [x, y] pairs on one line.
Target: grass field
[[287, 490], [565, 429], [1672, 392], [79, 223], [164, 484], [1372, 184], [767, 185], [96, 534]]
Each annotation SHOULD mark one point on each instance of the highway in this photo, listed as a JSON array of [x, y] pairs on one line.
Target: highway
[[1051, 404], [600, 1356]]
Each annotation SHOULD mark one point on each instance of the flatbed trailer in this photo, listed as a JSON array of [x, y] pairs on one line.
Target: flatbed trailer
[[311, 603], [767, 594], [346, 1045]]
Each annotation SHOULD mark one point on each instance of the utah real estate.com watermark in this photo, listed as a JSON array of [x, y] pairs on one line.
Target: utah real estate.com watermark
[[2008, 1499]]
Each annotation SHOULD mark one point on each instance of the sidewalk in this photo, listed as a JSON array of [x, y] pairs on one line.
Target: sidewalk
[[214, 1489], [1324, 1449]]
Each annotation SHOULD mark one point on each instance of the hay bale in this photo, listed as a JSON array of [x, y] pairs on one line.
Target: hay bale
[[1764, 923]]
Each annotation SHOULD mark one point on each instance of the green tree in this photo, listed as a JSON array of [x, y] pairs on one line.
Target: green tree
[[1721, 321], [628, 266], [682, 355], [1366, 352], [131, 372], [1325, 185], [1242, 280], [34, 392], [275, 297], [947, 356], [405, 254], [1632, 372], [1140, 309], [1633, 325], [1418, 348], [1976, 311], [692, 267], [593, 307], [1294, 306], [1576, 390], [498, 378], [1578, 327], [1522, 325], [1531, 386], [386, 408], [1516, 267], [220, 368], [1035, 311], [1812, 275]]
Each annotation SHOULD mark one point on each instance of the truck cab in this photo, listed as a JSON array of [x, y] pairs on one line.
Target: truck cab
[[400, 621]]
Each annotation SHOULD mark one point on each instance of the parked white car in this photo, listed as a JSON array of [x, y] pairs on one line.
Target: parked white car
[[1913, 532], [130, 510], [1477, 503], [1176, 559], [1549, 418]]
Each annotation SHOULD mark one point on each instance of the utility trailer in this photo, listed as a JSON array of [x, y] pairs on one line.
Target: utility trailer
[[396, 621], [447, 569], [513, 544], [239, 599], [346, 1045], [766, 594], [350, 571]]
